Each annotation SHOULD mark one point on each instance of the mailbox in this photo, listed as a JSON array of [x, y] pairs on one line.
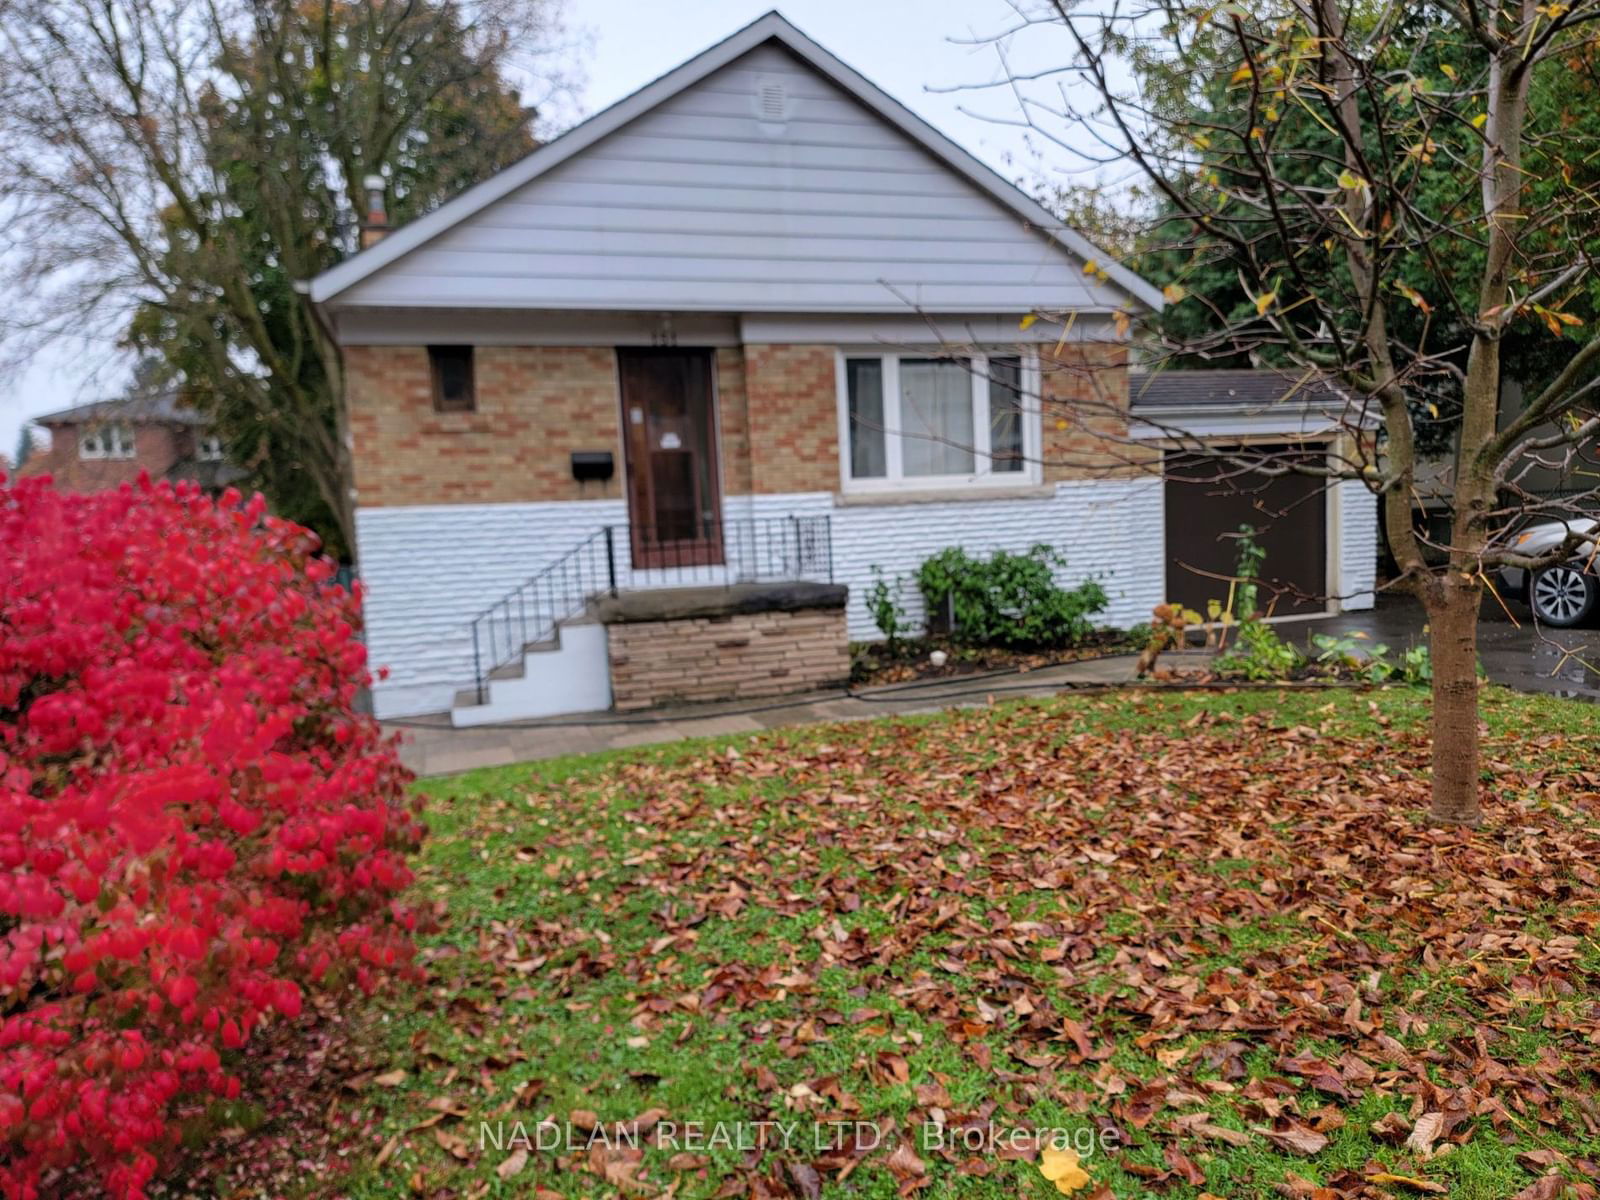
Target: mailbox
[[592, 464]]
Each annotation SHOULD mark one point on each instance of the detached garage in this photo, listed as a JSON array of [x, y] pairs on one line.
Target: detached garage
[[1320, 536]]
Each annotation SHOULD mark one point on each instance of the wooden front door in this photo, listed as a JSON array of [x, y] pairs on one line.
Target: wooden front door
[[669, 434]]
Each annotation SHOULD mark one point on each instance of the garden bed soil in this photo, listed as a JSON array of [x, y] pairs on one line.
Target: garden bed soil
[[872, 664]]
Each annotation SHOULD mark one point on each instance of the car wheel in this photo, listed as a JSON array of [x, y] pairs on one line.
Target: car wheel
[[1562, 595]]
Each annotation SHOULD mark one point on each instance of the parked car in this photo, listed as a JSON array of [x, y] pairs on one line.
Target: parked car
[[1565, 593]]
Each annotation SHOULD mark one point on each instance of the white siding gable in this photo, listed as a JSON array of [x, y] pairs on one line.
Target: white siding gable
[[705, 203]]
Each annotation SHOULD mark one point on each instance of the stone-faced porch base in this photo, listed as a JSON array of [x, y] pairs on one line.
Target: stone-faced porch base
[[717, 643]]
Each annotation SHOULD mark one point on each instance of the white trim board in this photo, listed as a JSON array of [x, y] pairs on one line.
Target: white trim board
[[1307, 424], [909, 332], [530, 327], [771, 27], [364, 326]]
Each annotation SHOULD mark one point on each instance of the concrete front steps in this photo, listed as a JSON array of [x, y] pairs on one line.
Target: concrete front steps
[[568, 673]]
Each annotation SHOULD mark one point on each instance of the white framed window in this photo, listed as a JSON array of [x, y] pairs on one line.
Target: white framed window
[[909, 420], [208, 448], [111, 440]]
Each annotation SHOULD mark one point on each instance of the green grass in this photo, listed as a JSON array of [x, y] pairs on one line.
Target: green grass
[[716, 930]]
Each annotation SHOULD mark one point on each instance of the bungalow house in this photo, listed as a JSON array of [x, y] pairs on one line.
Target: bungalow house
[[107, 443], [756, 326]]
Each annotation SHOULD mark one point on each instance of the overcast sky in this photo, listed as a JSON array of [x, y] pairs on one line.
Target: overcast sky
[[906, 47]]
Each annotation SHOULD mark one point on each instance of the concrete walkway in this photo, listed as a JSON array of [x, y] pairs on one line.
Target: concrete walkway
[[432, 747]]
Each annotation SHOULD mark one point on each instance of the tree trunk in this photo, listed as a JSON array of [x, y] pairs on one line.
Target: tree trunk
[[1453, 646]]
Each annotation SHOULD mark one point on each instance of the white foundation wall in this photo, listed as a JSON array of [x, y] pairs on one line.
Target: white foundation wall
[[428, 570], [1357, 545], [1110, 529]]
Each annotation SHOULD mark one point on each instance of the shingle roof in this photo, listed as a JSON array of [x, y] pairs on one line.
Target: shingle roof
[[160, 408], [1262, 388]]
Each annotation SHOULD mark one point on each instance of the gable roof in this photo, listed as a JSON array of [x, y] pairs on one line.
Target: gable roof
[[772, 27]]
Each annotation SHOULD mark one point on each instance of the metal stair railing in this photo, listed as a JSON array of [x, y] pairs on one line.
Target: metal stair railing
[[533, 610], [750, 550]]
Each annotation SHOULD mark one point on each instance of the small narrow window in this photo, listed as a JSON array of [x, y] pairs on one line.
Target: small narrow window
[[1005, 414], [452, 379], [209, 448], [868, 456]]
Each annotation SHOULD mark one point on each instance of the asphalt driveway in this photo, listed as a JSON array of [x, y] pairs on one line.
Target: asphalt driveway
[[1564, 662]]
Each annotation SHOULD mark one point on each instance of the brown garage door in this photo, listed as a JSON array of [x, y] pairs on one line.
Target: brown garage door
[[1290, 516]]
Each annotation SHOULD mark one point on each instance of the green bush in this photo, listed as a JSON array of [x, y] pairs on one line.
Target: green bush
[[1009, 599], [888, 614], [1259, 654]]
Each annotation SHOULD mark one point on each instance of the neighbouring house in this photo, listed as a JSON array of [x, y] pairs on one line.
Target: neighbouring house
[[714, 355], [111, 442]]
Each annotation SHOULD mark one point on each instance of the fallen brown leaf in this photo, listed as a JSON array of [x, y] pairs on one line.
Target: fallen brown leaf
[[388, 1151], [807, 1182], [1424, 1133], [1549, 1188], [1391, 1127], [1420, 1185], [1294, 1137], [513, 1163], [903, 1162]]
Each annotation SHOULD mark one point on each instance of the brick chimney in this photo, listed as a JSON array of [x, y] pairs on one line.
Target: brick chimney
[[376, 223]]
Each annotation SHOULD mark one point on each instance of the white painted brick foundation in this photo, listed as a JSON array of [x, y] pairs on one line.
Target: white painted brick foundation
[[429, 570], [1109, 529]]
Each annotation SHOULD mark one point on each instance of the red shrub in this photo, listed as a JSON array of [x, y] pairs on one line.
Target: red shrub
[[195, 824]]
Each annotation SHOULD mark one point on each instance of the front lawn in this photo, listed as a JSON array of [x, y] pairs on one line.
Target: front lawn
[[1206, 936]]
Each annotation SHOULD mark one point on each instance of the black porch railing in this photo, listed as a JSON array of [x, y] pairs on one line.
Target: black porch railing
[[616, 557], [751, 550], [530, 612]]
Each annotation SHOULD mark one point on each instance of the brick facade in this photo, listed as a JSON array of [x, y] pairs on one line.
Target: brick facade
[[777, 414], [535, 405], [794, 418], [726, 657], [733, 422], [1084, 400], [156, 449]]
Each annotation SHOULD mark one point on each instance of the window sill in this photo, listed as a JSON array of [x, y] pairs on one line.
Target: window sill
[[458, 422], [945, 495]]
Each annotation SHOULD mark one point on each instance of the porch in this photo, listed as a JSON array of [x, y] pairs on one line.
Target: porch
[[639, 615]]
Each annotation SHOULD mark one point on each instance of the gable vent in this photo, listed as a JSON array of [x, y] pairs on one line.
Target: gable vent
[[772, 101]]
